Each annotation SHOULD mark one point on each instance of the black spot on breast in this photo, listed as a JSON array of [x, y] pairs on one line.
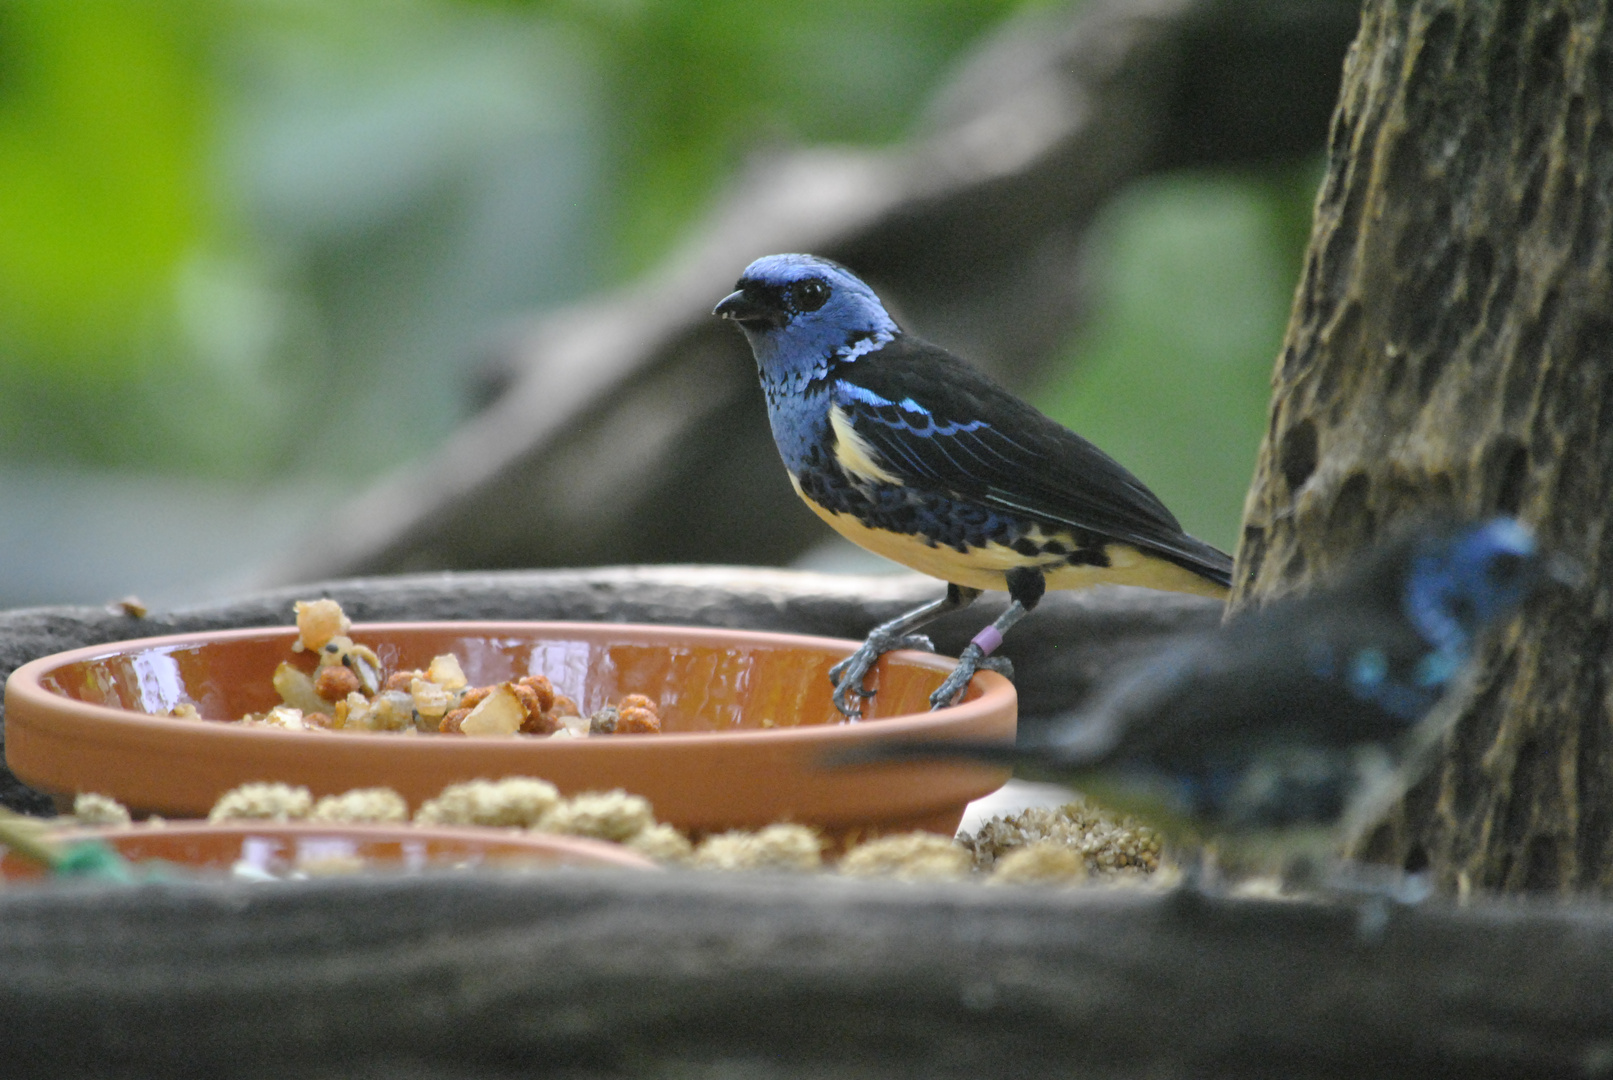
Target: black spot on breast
[[942, 520]]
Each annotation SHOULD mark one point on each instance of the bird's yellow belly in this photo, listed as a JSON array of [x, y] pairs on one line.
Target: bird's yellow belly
[[985, 567]]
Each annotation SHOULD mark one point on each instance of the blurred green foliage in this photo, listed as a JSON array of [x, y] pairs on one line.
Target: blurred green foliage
[[104, 113], [264, 240], [1172, 377], [263, 237], [250, 238], [695, 85]]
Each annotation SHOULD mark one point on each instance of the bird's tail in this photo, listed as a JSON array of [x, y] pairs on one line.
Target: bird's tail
[[995, 752], [1205, 560], [1072, 743], [1030, 759]]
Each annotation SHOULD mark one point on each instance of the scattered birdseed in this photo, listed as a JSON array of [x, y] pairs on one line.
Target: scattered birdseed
[[909, 857], [1110, 845], [603, 815], [349, 689], [1071, 844], [263, 802], [130, 605], [776, 847], [92, 809], [515, 800], [317, 622], [377, 806], [663, 843], [1045, 862]]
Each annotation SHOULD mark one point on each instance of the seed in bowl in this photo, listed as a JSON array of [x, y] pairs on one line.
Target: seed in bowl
[[350, 690]]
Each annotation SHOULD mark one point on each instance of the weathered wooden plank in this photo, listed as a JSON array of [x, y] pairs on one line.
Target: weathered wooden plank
[[599, 974]]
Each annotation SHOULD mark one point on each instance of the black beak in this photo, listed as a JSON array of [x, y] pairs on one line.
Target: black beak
[[749, 312]]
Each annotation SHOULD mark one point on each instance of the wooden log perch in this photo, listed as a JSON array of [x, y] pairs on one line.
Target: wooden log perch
[[633, 429], [578, 974]]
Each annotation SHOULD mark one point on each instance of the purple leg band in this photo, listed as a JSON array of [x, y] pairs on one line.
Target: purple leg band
[[988, 640]]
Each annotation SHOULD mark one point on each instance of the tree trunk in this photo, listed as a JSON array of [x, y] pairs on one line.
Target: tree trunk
[[1451, 344], [614, 975]]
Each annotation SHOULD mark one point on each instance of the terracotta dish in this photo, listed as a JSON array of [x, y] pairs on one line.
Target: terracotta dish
[[278, 849], [747, 722]]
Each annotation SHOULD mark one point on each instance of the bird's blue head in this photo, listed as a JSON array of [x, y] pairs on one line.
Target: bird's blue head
[[800, 312], [1461, 580]]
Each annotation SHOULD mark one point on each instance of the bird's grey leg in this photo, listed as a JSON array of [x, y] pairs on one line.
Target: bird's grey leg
[[848, 675], [1025, 586], [977, 655]]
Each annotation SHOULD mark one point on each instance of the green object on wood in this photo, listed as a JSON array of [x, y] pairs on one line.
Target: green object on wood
[[92, 859], [29, 839]]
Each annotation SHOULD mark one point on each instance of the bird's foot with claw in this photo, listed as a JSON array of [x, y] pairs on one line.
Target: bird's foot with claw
[[848, 675], [970, 661]]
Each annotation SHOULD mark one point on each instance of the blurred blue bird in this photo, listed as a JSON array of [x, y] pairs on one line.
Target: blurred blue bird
[[1297, 715], [913, 454]]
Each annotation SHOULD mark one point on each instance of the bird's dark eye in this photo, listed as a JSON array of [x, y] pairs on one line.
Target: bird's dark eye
[[809, 295]]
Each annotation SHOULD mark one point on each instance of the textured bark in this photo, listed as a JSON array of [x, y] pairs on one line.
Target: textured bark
[[581, 975], [1451, 344]]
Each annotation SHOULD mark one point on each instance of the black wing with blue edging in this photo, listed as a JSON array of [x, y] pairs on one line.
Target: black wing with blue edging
[[940, 424]]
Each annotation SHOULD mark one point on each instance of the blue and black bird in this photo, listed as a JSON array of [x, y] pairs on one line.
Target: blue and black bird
[[1293, 716], [914, 454]]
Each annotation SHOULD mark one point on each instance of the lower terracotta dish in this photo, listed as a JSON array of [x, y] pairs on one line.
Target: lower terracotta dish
[[747, 722], [279, 849]]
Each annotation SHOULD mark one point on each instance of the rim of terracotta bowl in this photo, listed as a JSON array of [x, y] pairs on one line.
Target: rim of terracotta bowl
[[46, 733], [497, 847]]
